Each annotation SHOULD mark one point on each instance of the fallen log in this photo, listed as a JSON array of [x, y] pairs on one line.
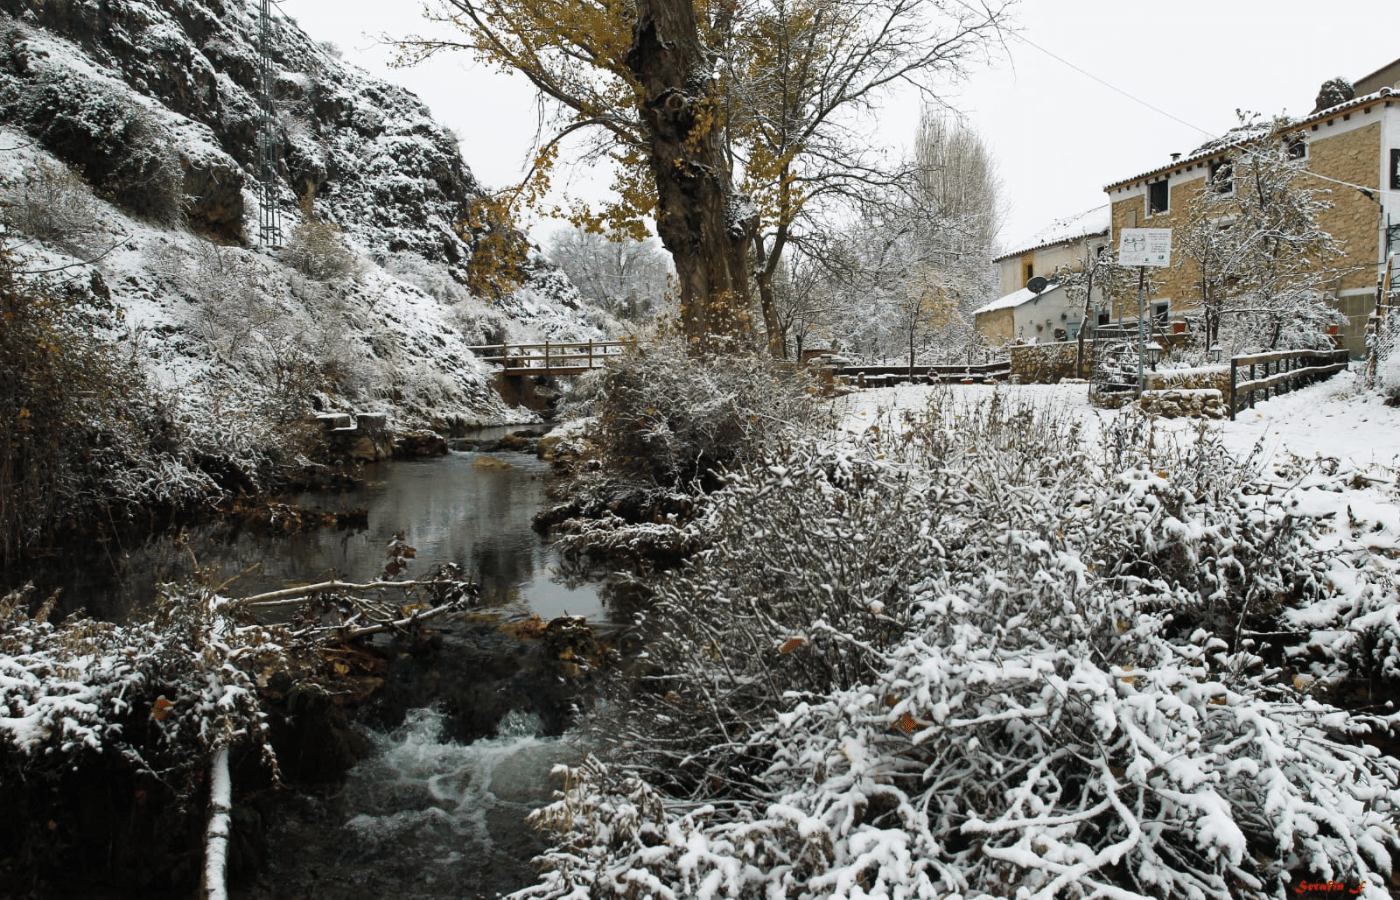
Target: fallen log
[[217, 833]]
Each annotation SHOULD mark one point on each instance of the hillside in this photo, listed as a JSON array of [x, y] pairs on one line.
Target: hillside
[[127, 154]]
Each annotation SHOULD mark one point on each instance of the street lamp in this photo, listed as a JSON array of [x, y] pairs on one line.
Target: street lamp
[[1215, 353], [1154, 353]]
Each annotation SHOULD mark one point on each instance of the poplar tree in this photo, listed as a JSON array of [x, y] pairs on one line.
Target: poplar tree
[[728, 121]]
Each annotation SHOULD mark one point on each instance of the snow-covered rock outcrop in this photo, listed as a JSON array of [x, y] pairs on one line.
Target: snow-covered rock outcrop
[[154, 104]]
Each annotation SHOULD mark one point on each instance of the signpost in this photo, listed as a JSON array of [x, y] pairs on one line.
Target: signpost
[[1143, 247]]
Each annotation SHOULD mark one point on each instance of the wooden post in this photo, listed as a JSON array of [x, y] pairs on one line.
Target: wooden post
[[1234, 373]]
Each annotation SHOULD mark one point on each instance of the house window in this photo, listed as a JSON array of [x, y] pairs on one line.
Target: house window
[[1103, 317], [1297, 148], [1159, 312], [1157, 197], [1030, 271], [1395, 170], [1222, 176]]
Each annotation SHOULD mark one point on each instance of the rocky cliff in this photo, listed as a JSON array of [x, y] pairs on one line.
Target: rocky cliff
[[128, 153], [162, 78]]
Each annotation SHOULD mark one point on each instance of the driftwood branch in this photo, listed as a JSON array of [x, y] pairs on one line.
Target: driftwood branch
[[293, 596]]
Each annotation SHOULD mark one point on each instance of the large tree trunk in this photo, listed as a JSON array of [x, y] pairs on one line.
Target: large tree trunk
[[765, 266], [700, 219]]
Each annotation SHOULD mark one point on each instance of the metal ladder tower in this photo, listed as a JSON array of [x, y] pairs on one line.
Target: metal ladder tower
[[269, 215]]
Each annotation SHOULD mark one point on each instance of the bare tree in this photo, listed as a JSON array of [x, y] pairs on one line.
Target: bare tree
[[918, 259], [626, 278], [1096, 271], [1263, 261], [774, 95]]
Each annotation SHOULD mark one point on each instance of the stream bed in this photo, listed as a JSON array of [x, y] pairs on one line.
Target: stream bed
[[456, 745]]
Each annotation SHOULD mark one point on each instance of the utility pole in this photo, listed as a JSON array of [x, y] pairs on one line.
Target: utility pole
[[269, 146]]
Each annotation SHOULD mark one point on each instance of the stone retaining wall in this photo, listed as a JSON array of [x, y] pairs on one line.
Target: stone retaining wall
[[1215, 378], [1175, 403], [1044, 363]]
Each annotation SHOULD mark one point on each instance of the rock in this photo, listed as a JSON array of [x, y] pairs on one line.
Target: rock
[[1173, 403], [417, 444]]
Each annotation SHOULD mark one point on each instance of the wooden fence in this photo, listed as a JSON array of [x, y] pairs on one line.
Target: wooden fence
[[1288, 367]]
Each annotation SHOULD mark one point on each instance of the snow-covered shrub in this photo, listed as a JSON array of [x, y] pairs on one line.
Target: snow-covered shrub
[[665, 427], [967, 658], [82, 433], [147, 178], [318, 251], [673, 420], [433, 278], [480, 324], [52, 203], [160, 694]]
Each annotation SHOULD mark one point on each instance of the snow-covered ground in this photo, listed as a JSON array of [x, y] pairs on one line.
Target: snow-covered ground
[[1335, 419]]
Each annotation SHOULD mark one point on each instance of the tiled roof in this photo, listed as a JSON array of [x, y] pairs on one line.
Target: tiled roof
[[1219, 146], [1070, 228]]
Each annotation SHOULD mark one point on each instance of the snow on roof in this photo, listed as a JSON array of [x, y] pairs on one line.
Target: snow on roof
[[1069, 228], [1231, 138], [1015, 298]]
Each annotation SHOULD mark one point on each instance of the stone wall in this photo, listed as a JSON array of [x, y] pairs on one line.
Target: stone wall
[[1176, 403], [1044, 363], [1216, 378], [997, 326]]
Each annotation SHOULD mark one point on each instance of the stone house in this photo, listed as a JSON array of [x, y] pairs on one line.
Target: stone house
[[1355, 142], [1020, 314]]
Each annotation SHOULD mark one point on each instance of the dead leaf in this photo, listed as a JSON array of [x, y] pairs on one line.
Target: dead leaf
[[160, 710]]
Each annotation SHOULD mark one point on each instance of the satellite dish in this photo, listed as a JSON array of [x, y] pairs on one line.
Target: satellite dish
[[1037, 284]]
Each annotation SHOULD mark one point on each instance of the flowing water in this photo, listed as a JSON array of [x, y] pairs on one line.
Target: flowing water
[[422, 819], [470, 509], [422, 816]]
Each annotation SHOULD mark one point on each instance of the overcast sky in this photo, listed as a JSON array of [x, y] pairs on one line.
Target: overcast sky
[[1089, 92]]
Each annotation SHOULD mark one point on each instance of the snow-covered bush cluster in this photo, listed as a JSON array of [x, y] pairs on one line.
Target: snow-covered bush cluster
[[666, 425], [160, 694], [83, 434], [967, 657]]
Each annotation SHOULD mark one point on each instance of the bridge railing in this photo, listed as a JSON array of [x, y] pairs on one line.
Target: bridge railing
[[544, 358]]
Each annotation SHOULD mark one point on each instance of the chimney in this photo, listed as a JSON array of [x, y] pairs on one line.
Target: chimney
[[1176, 156]]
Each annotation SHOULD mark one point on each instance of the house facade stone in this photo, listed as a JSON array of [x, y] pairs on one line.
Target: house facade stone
[[1353, 146]]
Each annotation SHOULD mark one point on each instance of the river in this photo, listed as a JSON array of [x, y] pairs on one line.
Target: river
[[471, 509], [436, 808]]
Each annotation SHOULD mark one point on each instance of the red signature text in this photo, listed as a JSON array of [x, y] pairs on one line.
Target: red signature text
[[1306, 886]]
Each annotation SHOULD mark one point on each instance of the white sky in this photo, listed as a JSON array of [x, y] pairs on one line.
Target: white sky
[[1058, 134]]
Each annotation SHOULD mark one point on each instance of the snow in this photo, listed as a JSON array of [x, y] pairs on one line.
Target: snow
[[1332, 420], [1069, 228], [1015, 298]]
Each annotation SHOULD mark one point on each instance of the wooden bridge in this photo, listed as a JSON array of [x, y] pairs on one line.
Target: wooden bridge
[[550, 358]]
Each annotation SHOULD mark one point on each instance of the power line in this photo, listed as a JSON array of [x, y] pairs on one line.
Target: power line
[[1091, 76], [1110, 86]]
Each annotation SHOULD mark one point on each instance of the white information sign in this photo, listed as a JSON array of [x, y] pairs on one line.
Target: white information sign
[[1145, 247]]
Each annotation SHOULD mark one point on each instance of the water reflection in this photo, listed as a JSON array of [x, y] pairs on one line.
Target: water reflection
[[471, 509]]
